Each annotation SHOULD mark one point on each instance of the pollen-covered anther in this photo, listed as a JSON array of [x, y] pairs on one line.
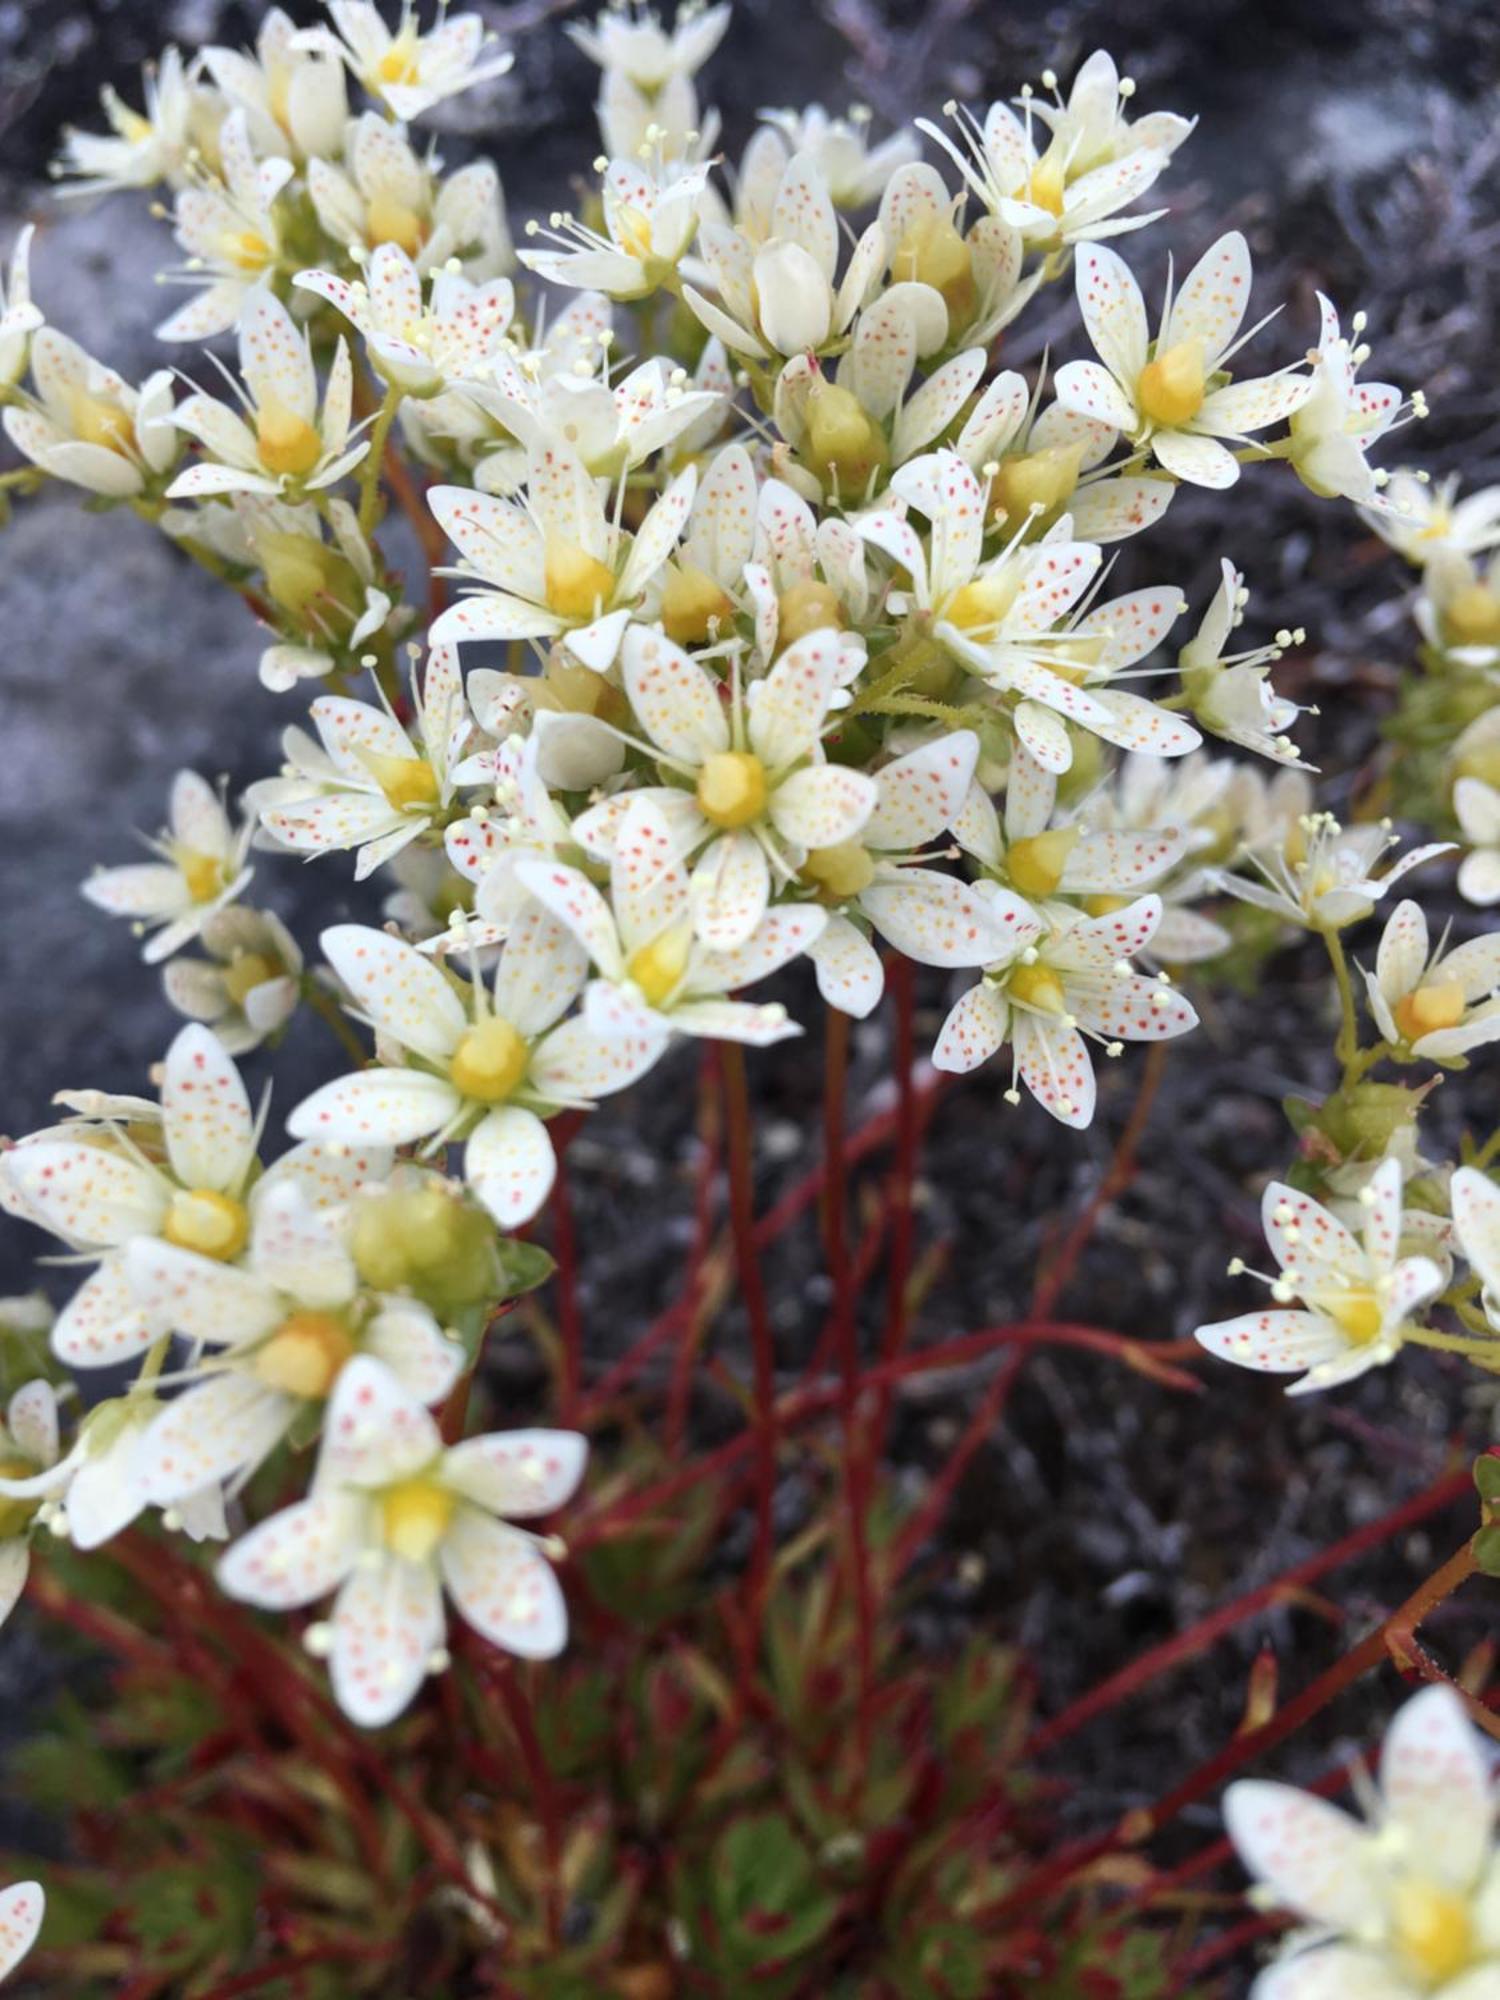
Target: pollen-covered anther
[[208, 1222]]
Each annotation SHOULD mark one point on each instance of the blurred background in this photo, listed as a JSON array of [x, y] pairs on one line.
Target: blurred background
[[1356, 143]]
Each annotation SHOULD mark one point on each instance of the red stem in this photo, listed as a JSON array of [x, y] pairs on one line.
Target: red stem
[[762, 1344]]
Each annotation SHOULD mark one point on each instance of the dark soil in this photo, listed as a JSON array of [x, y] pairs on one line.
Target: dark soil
[[1356, 144]]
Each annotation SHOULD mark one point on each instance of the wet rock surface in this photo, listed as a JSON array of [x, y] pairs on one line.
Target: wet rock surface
[[1357, 146]]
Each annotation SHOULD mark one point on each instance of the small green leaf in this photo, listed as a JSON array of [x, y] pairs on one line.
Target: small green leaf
[[1485, 1549]]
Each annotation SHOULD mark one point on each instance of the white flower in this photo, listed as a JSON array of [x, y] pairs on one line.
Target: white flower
[[181, 1170], [780, 297], [855, 172], [1091, 127], [22, 1907], [230, 231], [1440, 1004], [143, 147], [1475, 1201], [419, 347], [384, 194], [526, 823], [29, 1444], [285, 443], [282, 1324], [1166, 394], [557, 561], [1458, 610], [1074, 979], [651, 212], [1341, 418], [325, 589], [249, 984], [753, 793], [656, 975], [200, 871], [977, 272], [1423, 520], [90, 427], [1320, 875], [1477, 806], [632, 41], [478, 1071], [1405, 1909], [1358, 1292], [408, 71], [394, 1519], [293, 98], [19, 317], [372, 785], [611, 426], [1231, 693]]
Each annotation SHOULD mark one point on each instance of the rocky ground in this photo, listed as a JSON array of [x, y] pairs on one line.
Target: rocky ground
[[1356, 144]]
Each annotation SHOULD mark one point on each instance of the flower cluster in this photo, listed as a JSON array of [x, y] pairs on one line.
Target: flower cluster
[[764, 620]]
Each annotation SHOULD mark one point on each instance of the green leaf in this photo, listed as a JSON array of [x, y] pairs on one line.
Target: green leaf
[[1487, 1477], [1485, 1548]]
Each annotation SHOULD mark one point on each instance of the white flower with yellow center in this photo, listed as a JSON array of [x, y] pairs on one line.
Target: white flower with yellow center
[[656, 976], [229, 229], [19, 317], [632, 41], [87, 426], [1231, 693], [383, 193], [392, 1521], [420, 346], [651, 214], [1319, 874], [323, 584], [612, 426], [1458, 610], [1191, 801], [1341, 418], [1074, 980], [555, 560], [270, 1337], [248, 985], [144, 147], [182, 1170], [483, 1067], [1090, 163], [282, 441], [201, 871], [524, 823], [293, 98], [1476, 806], [1423, 519], [1173, 395], [1357, 1292], [856, 172], [373, 785], [749, 791], [1437, 1004], [1405, 1908], [783, 296], [408, 71]]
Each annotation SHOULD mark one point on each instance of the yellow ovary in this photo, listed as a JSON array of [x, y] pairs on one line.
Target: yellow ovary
[[97, 420], [1357, 1313], [578, 585], [203, 873], [287, 443], [246, 249], [245, 972], [390, 221], [305, 1355], [490, 1061], [806, 607], [1035, 866], [1170, 389], [845, 445], [1038, 986], [1430, 1008], [841, 871], [693, 604], [657, 968], [1039, 482], [1432, 1930], [399, 63], [732, 788], [933, 253], [1472, 617], [414, 1517], [407, 782], [202, 1219], [984, 602], [1049, 178]]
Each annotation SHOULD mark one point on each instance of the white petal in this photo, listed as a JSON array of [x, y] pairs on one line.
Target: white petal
[[87, 1194], [102, 1322], [210, 1433], [1435, 1780], [206, 1115], [518, 1474], [729, 891], [295, 1557], [975, 1029], [375, 1432], [676, 700], [510, 1164], [938, 920], [402, 992], [22, 1905], [1274, 1342], [381, 1107], [1310, 1853], [1055, 1067], [387, 1624], [504, 1587]]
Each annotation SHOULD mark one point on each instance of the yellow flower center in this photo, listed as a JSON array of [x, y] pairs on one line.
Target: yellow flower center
[[1472, 617], [841, 871], [806, 607], [578, 585], [399, 63], [414, 1517], [96, 420], [984, 602], [1035, 866], [1039, 481], [1170, 389], [732, 788], [631, 229], [845, 445], [287, 443], [202, 1219], [489, 1061], [693, 604], [1048, 179], [1357, 1313], [1429, 1008], [657, 967], [246, 249], [1105, 906], [245, 972], [407, 782], [933, 253], [203, 873], [390, 221], [1038, 986], [305, 1355], [1432, 1931]]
